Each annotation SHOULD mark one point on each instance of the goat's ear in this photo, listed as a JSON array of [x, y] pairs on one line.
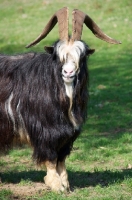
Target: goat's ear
[[49, 50], [90, 52]]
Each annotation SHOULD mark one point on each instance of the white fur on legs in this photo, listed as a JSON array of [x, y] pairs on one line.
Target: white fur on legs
[[52, 179], [61, 169]]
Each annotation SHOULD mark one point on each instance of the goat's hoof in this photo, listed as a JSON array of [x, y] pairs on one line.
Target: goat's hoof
[[65, 183], [54, 183]]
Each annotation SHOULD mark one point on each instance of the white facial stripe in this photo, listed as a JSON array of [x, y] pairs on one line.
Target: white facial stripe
[[69, 71], [74, 51], [70, 55]]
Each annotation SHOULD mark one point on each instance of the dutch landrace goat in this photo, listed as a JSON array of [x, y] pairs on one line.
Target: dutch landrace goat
[[43, 96]]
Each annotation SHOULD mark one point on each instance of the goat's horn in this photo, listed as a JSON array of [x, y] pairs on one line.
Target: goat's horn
[[61, 16], [77, 25]]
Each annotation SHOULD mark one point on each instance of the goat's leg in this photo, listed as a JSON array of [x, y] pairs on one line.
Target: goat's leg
[[61, 169], [52, 179]]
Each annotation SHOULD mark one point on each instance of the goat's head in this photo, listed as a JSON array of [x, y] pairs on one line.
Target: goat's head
[[71, 49], [70, 55]]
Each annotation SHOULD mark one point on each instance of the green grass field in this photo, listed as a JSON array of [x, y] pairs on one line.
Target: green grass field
[[100, 165]]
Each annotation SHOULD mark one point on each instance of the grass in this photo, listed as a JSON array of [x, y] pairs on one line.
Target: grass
[[100, 165]]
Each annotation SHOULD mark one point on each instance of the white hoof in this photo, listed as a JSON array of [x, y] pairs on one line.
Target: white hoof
[[54, 183]]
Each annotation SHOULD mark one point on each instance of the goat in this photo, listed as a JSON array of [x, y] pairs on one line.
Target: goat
[[43, 96]]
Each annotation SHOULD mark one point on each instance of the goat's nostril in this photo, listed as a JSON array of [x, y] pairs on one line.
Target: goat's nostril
[[69, 72]]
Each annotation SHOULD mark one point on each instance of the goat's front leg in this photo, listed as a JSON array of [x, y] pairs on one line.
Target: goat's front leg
[[61, 169], [52, 179]]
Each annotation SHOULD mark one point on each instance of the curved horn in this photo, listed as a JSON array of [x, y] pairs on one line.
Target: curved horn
[[77, 25], [61, 16]]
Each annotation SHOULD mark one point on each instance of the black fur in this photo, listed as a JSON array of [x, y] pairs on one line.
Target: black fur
[[35, 81]]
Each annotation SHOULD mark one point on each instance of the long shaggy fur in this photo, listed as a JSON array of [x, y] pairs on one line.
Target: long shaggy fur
[[34, 104]]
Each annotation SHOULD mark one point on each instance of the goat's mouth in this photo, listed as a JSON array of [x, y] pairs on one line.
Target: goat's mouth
[[68, 76], [68, 79]]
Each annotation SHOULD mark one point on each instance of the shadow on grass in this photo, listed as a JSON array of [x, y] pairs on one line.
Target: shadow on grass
[[102, 178], [16, 177], [77, 179]]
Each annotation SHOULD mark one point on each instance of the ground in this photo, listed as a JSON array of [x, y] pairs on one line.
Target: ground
[[24, 191]]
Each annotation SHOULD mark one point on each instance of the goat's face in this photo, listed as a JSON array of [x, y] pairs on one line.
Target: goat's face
[[69, 55], [69, 70]]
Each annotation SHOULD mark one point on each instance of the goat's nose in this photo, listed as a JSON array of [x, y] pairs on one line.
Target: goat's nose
[[68, 72]]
